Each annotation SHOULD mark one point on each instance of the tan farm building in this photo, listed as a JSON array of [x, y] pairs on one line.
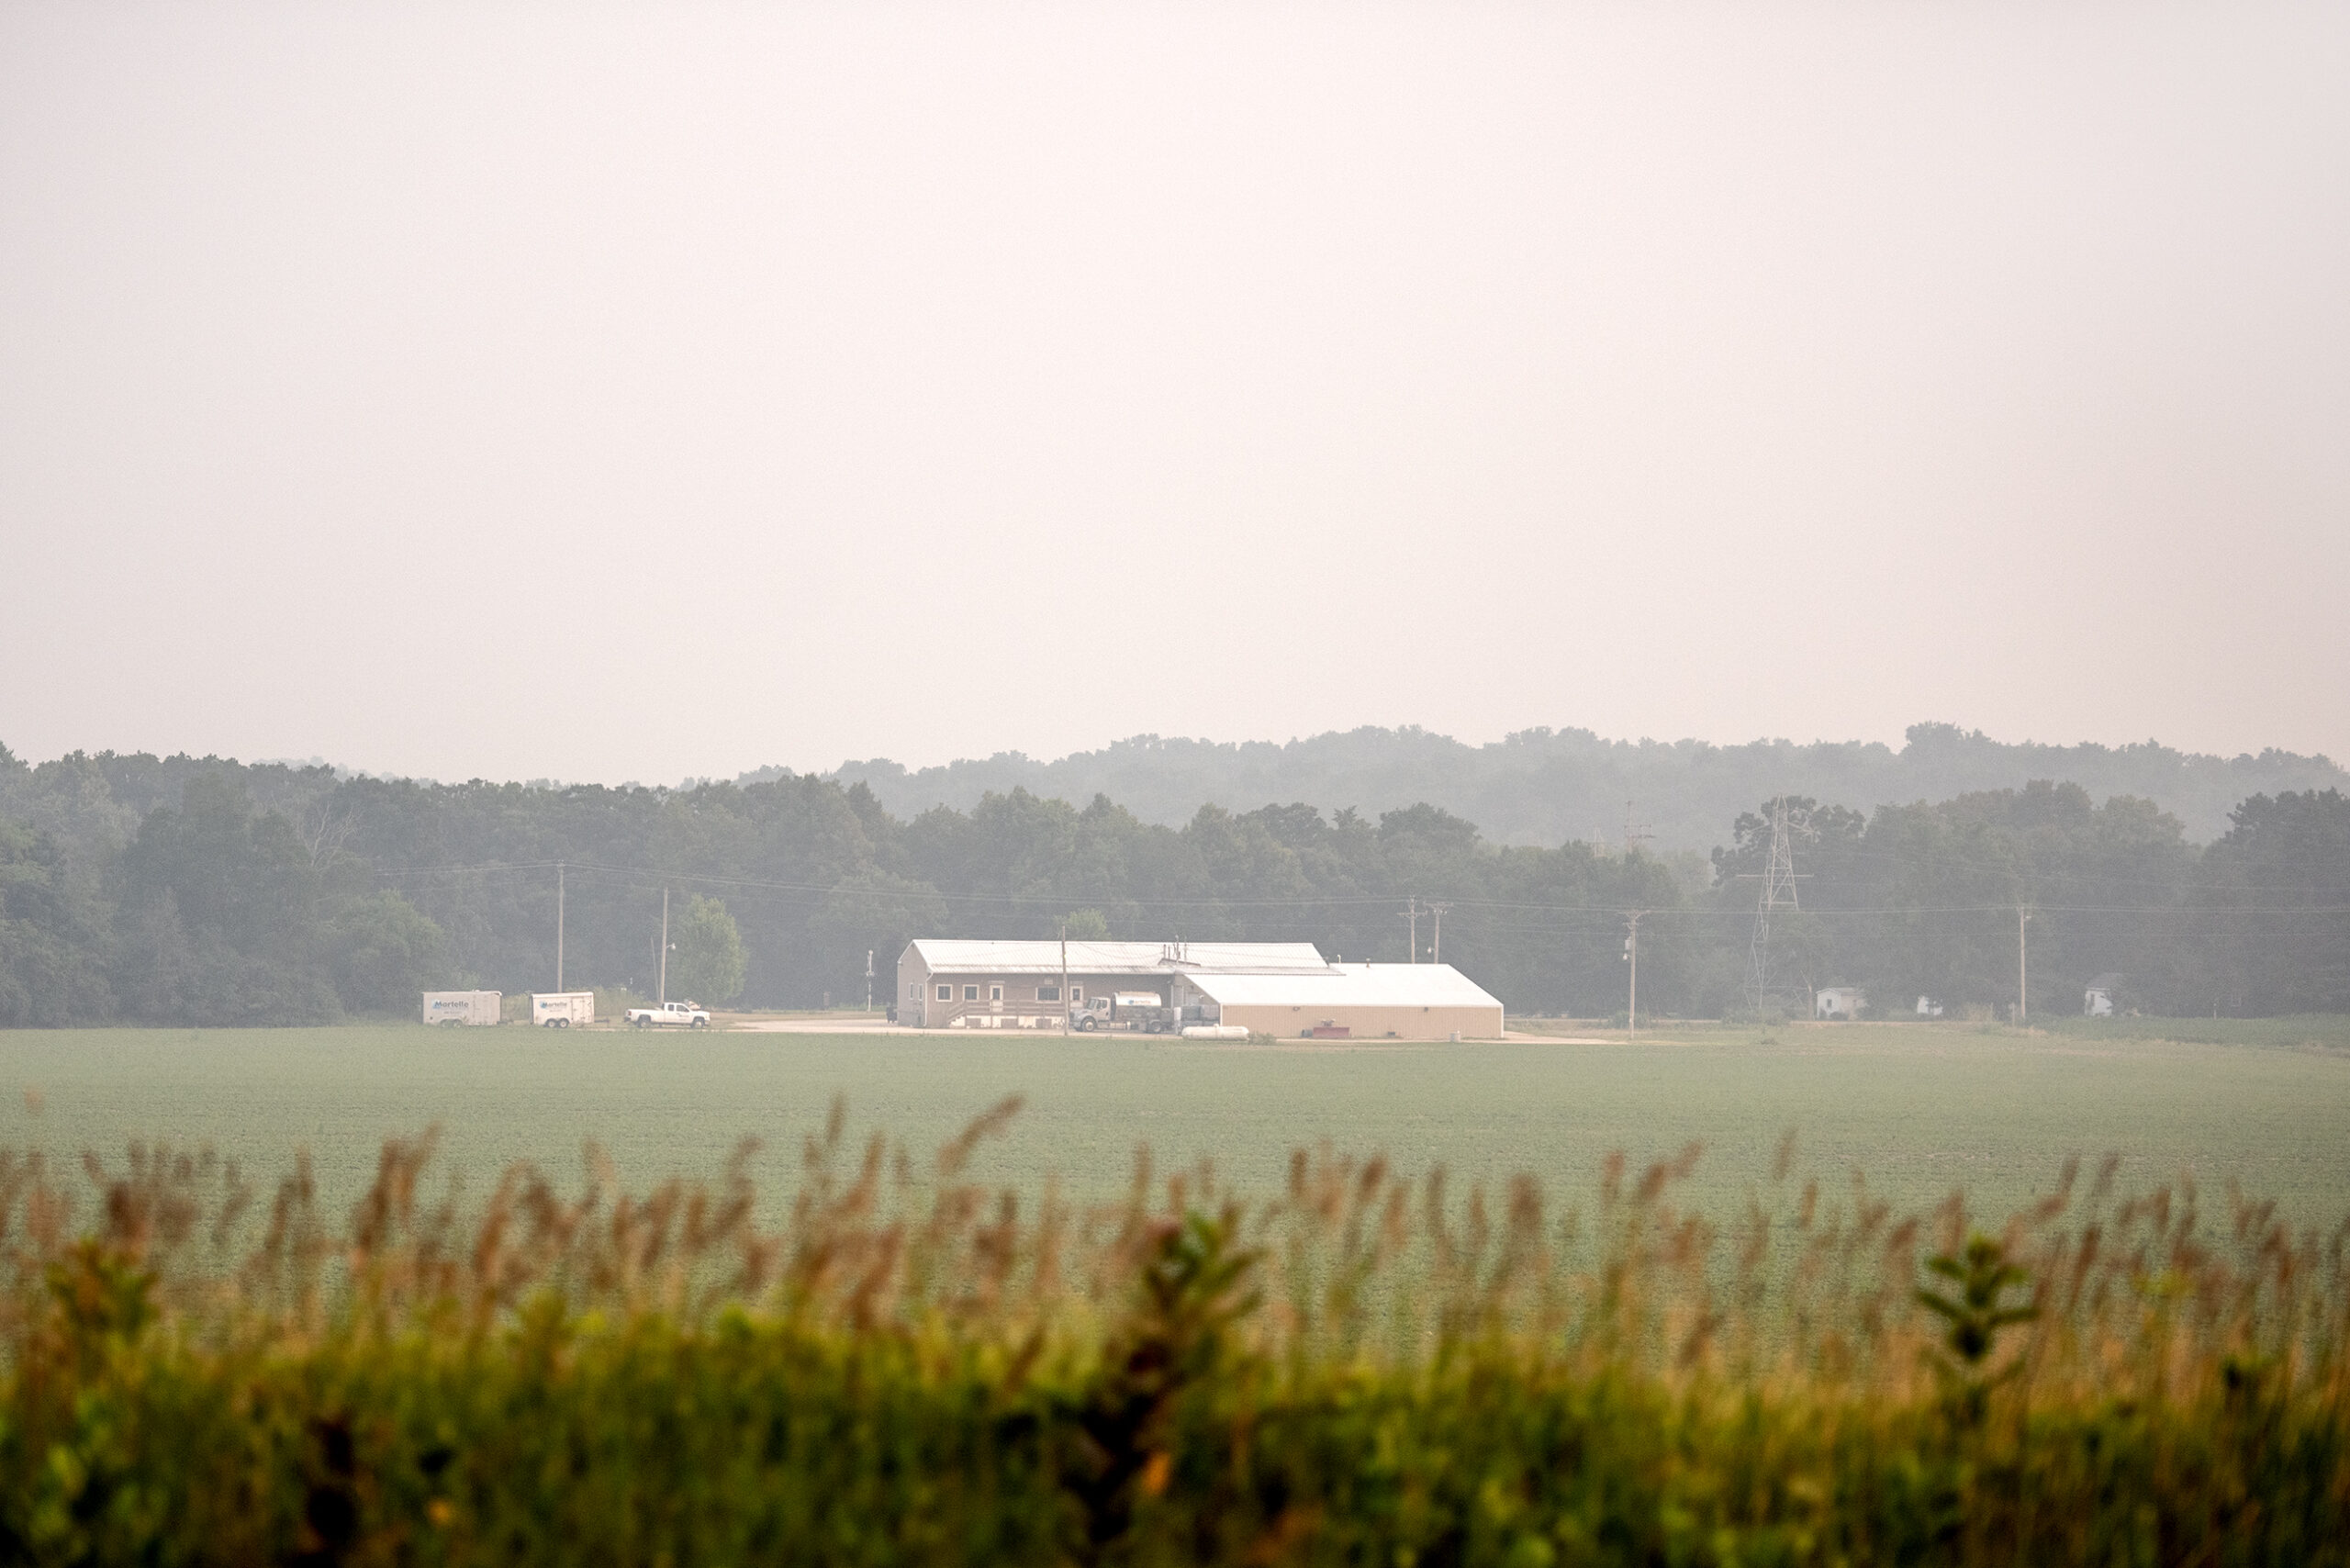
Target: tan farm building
[[1359, 1002]]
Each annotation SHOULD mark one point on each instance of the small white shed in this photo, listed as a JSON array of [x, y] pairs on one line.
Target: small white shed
[[2102, 997], [1838, 1001]]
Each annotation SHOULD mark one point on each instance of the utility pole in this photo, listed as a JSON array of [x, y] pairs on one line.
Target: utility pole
[[1438, 910], [1632, 957], [868, 980], [1412, 913], [1064, 977], [664, 945], [2023, 968], [558, 925]]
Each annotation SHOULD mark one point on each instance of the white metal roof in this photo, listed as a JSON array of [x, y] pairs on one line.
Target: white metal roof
[[968, 956], [1352, 985]]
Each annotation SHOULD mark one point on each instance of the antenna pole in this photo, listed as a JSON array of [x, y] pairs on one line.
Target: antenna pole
[[664, 945]]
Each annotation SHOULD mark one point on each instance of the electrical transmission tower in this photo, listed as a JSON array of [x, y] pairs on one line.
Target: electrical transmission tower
[[1778, 878], [1635, 834]]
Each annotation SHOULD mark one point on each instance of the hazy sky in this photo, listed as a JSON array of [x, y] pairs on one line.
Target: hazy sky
[[634, 391]]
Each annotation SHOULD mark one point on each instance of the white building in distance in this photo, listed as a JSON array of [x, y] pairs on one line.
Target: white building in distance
[[1273, 988]]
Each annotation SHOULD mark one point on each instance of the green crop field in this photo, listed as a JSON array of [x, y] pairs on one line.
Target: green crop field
[[1922, 1110]]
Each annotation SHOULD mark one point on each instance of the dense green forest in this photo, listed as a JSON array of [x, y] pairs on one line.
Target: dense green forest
[[183, 890], [1547, 787]]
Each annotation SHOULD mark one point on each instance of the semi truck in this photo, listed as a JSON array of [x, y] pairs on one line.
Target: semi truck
[[1148, 1013], [1142, 1009]]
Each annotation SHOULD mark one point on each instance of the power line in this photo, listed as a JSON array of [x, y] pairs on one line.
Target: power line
[[650, 878]]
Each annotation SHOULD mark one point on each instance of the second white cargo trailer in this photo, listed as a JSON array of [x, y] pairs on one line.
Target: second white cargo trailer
[[562, 1009]]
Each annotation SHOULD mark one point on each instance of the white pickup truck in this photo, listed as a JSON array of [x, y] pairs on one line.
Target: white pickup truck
[[684, 1013]]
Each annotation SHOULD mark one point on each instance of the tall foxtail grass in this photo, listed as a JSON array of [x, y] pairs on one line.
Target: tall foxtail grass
[[900, 1365]]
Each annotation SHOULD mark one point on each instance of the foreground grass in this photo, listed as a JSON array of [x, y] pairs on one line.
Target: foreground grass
[[908, 1368]]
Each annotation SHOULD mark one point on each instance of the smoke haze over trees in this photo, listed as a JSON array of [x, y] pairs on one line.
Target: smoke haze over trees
[[1547, 787], [182, 889]]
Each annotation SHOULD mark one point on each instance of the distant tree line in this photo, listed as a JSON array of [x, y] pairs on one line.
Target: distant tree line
[[1926, 901], [1545, 787], [182, 889]]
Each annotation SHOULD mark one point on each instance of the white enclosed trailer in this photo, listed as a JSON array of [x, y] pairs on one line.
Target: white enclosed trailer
[[470, 1007], [562, 1009]]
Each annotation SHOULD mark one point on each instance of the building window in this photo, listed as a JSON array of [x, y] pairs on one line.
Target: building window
[[971, 993], [1077, 993], [1048, 993], [946, 993], [995, 993]]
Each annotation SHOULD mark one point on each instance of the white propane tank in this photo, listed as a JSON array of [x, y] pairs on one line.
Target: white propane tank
[[1216, 1031]]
